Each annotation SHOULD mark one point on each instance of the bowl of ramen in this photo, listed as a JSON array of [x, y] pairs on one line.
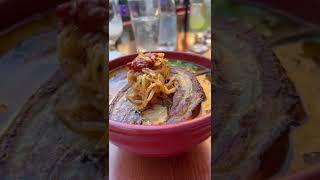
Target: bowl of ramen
[[159, 102]]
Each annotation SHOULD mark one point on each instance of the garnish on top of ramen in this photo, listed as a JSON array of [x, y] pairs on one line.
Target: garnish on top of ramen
[[87, 15], [149, 77]]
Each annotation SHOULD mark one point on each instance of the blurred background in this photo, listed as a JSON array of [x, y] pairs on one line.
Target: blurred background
[[291, 29], [167, 25]]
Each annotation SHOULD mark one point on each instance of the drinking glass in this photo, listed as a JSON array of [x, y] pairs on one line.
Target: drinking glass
[[168, 26], [199, 22], [115, 24], [145, 19], [208, 31]]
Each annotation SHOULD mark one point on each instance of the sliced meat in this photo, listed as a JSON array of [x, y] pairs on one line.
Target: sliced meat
[[254, 101], [188, 96], [45, 148], [121, 109], [186, 99]]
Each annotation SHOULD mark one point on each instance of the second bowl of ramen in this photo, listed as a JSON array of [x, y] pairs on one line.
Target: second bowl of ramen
[[159, 102]]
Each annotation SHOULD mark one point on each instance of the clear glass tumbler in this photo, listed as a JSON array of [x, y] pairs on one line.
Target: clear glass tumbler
[[115, 24], [145, 19], [199, 22], [208, 31], [168, 26]]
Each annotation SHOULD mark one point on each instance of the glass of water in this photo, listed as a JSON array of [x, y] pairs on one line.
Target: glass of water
[[168, 26], [115, 24], [145, 19]]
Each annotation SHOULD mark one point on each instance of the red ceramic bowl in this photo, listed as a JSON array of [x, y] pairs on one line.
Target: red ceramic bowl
[[161, 140]]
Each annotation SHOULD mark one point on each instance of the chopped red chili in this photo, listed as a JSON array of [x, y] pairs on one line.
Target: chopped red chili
[[138, 64]]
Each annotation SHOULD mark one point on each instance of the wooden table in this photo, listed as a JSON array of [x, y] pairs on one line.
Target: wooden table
[[194, 165]]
